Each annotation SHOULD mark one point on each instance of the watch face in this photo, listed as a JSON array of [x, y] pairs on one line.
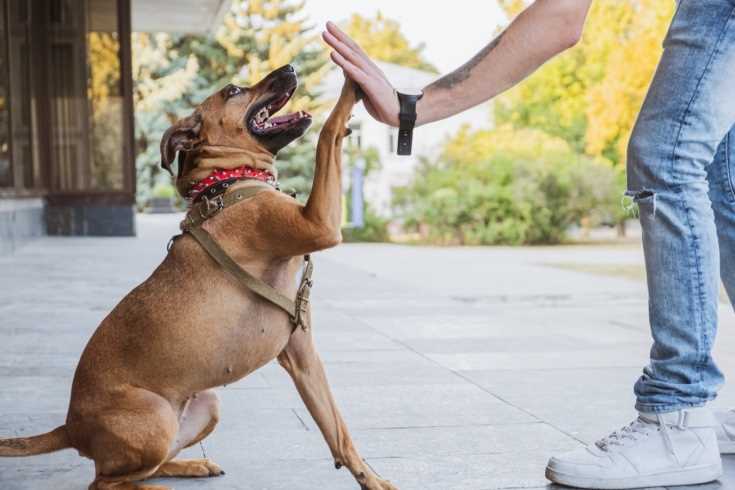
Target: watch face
[[410, 90]]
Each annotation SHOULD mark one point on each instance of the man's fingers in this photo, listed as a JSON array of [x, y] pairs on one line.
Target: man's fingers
[[350, 69], [330, 39], [343, 37], [364, 62], [340, 36], [347, 52], [340, 42]]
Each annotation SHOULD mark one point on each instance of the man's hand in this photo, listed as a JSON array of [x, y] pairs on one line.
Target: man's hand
[[543, 30], [380, 98]]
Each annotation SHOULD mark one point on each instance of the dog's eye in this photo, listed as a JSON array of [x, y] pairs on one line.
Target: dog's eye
[[233, 90]]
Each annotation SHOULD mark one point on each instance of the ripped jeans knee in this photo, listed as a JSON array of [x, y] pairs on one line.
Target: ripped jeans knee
[[636, 202]]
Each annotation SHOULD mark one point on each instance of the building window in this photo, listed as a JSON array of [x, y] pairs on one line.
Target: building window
[[86, 97], [355, 138], [6, 167], [17, 166], [105, 99]]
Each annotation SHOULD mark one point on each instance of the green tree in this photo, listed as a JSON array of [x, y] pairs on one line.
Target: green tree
[[556, 157], [590, 95], [382, 39], [175, 72]]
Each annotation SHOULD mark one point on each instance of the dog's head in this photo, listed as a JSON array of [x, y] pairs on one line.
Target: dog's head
[[238, 118]]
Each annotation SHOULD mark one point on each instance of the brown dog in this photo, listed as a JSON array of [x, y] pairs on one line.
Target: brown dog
[[142, 391]]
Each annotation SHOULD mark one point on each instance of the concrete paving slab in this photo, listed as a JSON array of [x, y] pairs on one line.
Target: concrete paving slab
[[584, 403], [408, 406], [625, 355], [454, 368]]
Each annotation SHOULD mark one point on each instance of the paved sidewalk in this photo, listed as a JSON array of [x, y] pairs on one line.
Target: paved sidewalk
[[455, 368]]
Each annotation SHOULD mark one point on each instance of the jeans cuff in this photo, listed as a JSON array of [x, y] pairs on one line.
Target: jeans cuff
[[674, 407]]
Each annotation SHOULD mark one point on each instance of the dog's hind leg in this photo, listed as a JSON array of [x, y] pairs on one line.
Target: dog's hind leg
[[302, 362], [193, 468], [128, 440], [126, 485], [197, 421]]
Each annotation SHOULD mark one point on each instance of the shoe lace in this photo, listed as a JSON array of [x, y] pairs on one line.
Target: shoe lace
[[638, 429], [628, 435]]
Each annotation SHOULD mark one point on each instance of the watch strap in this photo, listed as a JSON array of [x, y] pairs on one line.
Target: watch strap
[[407, 118]]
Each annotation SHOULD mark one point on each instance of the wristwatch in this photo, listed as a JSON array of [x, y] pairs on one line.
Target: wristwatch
[[407, 118]]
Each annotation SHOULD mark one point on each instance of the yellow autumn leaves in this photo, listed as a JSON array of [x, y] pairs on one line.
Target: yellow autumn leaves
[[590, 96]]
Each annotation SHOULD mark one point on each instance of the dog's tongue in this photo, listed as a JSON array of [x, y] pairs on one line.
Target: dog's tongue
[[286, 118]]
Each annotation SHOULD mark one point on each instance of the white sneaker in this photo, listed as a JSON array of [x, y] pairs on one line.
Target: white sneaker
[[726, 431], [656, 450]]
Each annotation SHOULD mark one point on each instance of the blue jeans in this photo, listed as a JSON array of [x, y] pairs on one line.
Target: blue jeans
[[681, 173]]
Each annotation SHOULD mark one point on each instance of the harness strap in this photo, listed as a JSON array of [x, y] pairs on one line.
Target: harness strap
[[206, 208], [297, 310]]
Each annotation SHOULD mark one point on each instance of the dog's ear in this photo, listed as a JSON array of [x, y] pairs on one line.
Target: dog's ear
[[182, 136]]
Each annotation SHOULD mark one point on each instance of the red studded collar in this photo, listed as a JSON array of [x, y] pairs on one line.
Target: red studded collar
[[220, 179]]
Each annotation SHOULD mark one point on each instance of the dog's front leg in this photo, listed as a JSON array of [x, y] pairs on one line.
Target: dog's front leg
[[324, 206], [286, 228], [302, 362]]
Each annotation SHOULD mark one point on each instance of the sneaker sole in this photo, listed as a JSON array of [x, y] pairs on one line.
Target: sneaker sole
[[693, 476], [726, 447]]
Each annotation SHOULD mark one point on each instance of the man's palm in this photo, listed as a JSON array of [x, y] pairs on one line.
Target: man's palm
[[380, 97]]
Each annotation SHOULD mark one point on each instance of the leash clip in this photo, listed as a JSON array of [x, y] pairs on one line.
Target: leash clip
[[211, 206]]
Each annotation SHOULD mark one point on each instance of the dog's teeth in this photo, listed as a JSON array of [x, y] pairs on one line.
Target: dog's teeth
[[262, 115]]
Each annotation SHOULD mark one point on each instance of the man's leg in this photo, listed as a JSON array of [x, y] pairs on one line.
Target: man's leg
[[689, 109], [722, 194]]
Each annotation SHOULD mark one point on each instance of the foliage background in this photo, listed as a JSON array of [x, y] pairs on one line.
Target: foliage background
[[556, 156], [382, 39], [173, 73]]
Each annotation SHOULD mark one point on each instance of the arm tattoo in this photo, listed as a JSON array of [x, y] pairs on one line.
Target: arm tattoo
[[463, 72]]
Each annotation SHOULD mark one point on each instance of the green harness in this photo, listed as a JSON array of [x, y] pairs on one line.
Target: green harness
[[298, 309]]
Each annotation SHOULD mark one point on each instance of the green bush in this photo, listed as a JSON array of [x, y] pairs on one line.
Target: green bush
[[163, 191], [374, 230], [508, 187]]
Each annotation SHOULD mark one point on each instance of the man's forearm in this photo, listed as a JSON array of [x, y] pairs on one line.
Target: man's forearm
[[542, 31]]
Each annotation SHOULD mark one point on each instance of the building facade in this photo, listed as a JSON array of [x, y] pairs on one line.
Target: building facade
[[67, 158]]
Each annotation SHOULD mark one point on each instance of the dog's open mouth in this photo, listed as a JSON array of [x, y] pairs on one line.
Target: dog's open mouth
[[264, 122]]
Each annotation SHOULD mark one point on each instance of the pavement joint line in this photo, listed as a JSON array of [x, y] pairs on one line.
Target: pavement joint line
[[482, 388], [421, 427], [627, 326], [303, 424], [441, 457], [577, 368], [460, 375], [566, 433]]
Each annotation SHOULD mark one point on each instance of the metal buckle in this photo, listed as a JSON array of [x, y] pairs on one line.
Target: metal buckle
[[302, 303], [171, 242], [211, 206]]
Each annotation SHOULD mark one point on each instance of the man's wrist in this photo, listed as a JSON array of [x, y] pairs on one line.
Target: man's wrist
[[426, 108]]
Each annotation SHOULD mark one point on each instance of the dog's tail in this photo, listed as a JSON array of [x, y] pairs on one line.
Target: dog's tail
[[55, 440]]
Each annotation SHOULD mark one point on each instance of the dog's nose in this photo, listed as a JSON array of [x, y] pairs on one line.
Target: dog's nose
[[288, 69]]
